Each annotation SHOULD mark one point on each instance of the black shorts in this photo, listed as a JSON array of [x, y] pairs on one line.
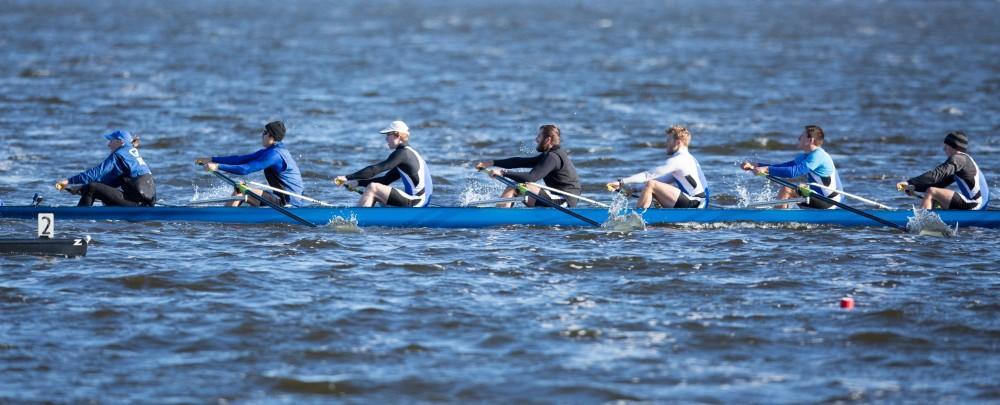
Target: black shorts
[[816, 203], [959, 203], [684, 202], [398, 199]]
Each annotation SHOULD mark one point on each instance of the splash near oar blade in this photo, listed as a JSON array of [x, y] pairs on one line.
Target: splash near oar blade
[[245, 191], [846, 207], [512, 184]]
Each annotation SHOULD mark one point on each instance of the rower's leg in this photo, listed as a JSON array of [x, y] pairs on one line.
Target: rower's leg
[[531, 201], [942, 196], [665, 194], [374, 191], [253, 201], [507, 193], [236, 193], [785, 194], [110, 196]]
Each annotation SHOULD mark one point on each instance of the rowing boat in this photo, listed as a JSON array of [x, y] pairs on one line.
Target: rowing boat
[[471, 217]]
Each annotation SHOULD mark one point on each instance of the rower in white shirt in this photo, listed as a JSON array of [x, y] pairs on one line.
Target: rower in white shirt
[[677, 183]]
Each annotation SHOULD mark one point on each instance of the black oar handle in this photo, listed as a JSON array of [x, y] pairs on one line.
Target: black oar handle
[[513, 184], [828, 200], [243, 189]]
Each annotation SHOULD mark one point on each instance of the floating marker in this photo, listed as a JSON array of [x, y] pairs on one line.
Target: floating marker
[[847, 303]]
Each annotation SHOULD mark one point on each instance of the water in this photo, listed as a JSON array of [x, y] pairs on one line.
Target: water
[[194, 313]]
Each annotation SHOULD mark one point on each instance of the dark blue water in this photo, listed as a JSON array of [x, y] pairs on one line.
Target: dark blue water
[[195, 313]]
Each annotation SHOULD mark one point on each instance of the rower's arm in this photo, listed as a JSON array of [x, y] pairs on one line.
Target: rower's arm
[[941, 176], [519, 162], [789, 169], [669, 167], [395, 159], [238, 159], [97, 173], [387, 179], [542, 169], [262, 162]]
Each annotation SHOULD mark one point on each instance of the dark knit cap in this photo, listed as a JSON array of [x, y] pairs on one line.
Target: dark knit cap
[[276, 129], [957, 140]]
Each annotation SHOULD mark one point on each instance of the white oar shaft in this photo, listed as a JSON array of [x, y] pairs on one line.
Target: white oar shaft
[[490, 202], [849, 195], [278, 190], [775, 202], [218, 200], [581, 198]]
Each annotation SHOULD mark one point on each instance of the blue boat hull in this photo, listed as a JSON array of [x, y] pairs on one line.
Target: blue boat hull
[[461, 217]]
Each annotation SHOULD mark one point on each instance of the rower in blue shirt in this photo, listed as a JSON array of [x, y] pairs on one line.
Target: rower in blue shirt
[[275, 160], [815, 164], [122, 179]]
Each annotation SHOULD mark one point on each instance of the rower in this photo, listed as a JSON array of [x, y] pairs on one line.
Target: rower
[[974, 193], [122, 179], [815, 164], [404, 163], [552, 165], [677, 183], [274, 159]]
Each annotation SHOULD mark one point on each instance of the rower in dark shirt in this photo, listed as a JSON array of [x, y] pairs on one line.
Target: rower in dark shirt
[[959, 168], [552, 165], [404, 163]]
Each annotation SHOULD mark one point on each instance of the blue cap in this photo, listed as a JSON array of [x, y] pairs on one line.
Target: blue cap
[[123, 135]]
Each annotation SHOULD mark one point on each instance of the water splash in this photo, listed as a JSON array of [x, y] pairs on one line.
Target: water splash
[[218, 191], [747, 193], [344, 225], [621, 218], [926, 222], [476, 189]]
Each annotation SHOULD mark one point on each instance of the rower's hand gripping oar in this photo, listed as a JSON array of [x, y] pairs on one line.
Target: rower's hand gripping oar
[[243, 189], [348, 186], [807, 192], [524, 189], [68, 188]]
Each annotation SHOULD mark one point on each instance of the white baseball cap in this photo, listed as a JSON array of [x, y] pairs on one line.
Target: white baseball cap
[[396, 126]]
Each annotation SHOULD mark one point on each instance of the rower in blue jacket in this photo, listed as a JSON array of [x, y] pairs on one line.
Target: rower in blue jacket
[[275, 160], [815, 164], [122, 179]]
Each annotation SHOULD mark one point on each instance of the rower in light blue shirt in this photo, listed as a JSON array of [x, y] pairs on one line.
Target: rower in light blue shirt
[[275, 160], [815, 164]]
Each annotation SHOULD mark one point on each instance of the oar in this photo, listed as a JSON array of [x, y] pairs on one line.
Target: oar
[[490, 202], [810, 194], [242, 188], [578, 197], [216, 201], [513, 184], [849, 195], [278, 190]]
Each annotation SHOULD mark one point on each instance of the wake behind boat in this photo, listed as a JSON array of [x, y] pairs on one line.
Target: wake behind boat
[[470, 217]]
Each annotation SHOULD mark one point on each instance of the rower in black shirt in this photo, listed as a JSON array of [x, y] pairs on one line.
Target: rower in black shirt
[[404, 163], [959, 168], [552, 165]]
